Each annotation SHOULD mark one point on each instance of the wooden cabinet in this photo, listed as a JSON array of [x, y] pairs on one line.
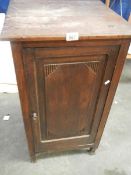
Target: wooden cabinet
[[66, 88]]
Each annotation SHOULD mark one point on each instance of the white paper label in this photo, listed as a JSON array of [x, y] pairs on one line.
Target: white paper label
[[6, 117], [72, 36]]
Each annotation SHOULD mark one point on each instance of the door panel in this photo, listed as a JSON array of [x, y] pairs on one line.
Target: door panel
[[68, 95], [67, 92]]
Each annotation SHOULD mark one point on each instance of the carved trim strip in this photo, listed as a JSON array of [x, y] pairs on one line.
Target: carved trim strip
[[49, 69], [93, 65]]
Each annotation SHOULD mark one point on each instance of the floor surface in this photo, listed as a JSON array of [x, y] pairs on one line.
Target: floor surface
[[112, 158]]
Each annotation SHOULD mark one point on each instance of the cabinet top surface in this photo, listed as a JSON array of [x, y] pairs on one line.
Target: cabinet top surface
[[39, 20]]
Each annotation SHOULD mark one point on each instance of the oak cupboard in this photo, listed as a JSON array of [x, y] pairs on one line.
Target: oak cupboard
[[66, 88]]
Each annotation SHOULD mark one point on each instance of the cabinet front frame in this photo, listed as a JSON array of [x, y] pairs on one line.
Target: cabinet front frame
[[44, 55]]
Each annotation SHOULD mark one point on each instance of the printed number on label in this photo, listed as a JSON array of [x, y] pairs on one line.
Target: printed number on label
[[73, 36]]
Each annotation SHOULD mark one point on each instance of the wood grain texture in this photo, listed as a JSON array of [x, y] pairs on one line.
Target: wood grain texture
[[35, 66], [23, 94], [70, 92], [52, 19], [115, 80], [69, 99]]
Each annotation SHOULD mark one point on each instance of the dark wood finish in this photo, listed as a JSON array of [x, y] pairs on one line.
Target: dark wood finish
[[68, 88], [62, 85], [18, 62], [115, 80]]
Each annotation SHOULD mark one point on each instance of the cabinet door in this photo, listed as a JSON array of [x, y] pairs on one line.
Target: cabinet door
[[67, 89]]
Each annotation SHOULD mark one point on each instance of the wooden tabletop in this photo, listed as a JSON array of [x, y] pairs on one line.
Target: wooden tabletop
[[35, 20]]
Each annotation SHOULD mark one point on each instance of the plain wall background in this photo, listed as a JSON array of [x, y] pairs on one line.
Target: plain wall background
[[7, 73]]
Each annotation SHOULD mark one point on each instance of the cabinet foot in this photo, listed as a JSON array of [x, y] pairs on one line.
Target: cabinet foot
[[91, 151], [33, 159]]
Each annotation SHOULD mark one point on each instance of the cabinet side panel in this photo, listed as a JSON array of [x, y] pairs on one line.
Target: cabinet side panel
[[115, 80], [18, 62]]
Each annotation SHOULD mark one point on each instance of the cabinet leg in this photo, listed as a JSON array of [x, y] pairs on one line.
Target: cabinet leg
[[33, 159], [92, 150]]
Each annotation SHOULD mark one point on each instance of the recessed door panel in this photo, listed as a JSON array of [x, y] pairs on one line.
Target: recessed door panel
[[67, 94], [69, 90]]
